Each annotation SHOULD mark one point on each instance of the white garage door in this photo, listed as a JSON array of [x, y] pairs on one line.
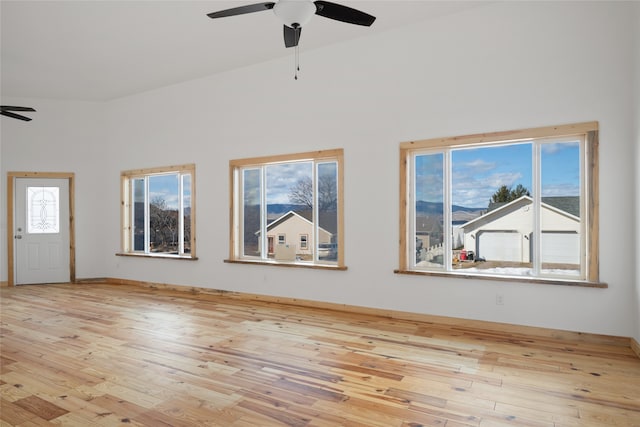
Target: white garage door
[[499, 246], [561, 247]]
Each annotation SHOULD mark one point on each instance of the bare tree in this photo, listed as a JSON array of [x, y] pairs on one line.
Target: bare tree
[[302, 193], [327, 194], [163, 223]]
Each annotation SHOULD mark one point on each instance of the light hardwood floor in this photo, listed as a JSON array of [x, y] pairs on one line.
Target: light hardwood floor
[[106, 355]]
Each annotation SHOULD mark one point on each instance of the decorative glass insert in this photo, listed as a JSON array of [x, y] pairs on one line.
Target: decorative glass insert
[[43, 210]]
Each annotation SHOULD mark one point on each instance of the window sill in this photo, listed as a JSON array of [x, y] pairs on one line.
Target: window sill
[[533, 280], [287, 264], [163, 256]]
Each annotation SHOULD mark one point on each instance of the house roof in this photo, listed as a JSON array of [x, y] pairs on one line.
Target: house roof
[[569, 204], [328, 220], [555, 204]]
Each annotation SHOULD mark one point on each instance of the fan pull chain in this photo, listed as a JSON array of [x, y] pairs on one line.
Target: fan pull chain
[[297, 62], [297, 55]]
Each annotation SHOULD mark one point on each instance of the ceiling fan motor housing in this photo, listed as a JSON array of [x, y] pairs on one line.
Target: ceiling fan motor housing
[[294, 13]]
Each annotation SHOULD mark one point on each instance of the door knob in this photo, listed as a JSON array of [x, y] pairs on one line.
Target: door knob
[[18, 236]]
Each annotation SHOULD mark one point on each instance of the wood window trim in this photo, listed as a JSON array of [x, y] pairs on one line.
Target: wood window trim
[[319, 155], [588, 129], [125, 225]]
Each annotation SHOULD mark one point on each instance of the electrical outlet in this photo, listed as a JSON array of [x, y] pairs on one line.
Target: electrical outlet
[[499, 299]]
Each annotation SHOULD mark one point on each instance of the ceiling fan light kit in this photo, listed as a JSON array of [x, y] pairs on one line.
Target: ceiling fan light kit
[[295, 14]]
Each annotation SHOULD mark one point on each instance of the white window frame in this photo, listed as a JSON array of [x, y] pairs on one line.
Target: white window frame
[[236, 167], [127, 193], [585, 132]]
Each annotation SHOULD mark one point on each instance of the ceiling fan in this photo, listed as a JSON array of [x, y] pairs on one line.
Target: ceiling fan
[[294, 14], [6, 110]]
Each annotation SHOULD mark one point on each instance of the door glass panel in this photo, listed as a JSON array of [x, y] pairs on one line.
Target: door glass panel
[[43, 210]]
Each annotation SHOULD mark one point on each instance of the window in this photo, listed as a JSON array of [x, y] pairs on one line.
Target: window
[[158, 211], [295, 195], [520, 204]]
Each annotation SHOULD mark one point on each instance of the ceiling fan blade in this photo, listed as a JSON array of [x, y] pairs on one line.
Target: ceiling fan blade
[[258, 7], [10, 108], [343, 13], [291, 36], [15, 116]]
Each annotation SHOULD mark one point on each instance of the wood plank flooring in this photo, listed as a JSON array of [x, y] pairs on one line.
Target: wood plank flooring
[[107, 355]]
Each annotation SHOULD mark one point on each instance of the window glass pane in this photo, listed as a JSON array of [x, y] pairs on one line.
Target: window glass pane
[[43, 210], [158, 211], [186, 206], [138, 214], [327, 193], [288, 207], [163, 213], [492, 209], [428, 230], [252, 195], [560, 241], [289, 197], [516, 204]]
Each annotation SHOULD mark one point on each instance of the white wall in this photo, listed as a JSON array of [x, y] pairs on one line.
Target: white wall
[[64, 136], [498, 67]]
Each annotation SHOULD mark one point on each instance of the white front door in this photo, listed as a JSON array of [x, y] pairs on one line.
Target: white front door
[[41, 231]]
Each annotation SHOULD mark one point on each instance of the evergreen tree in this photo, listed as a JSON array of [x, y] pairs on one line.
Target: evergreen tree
[[506, 194]]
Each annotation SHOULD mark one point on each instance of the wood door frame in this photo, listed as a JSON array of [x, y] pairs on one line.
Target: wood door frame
[[11, 177]]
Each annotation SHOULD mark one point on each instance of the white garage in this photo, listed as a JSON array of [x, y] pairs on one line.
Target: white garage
[[561, 247], [494, 245], [506, 233]]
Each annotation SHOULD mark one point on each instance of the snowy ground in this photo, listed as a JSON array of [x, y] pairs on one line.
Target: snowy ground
[[522, 271], [507, 270]]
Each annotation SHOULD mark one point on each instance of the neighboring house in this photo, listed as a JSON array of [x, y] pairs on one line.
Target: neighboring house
[[296, 228], [505, 232]]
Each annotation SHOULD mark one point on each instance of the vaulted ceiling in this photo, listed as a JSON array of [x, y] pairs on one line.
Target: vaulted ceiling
[[98, 50]]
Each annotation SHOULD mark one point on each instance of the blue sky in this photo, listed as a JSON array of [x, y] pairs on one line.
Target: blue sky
[[166, 187], [280, 178], [478, 172]]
